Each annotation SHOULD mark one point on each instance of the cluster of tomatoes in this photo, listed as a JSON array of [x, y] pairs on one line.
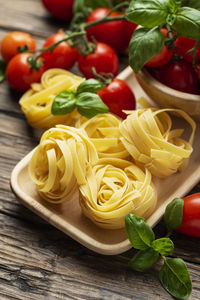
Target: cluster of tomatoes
[[111, 38], [177, 73]]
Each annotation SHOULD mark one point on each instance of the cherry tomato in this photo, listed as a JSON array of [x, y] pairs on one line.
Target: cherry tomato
[[183, 45], [63, 56], [118, 96], [103, 59], [19, 74], [163, 57], [117, 34], [180, 76], [12, 41], [191, 216], [61, 9]]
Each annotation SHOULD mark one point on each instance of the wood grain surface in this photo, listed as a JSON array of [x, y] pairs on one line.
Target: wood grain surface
[[36, 260]]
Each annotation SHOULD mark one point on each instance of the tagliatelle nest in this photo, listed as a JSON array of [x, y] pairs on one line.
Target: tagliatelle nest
[[59, 162], [149, 138], [114, 188], [103, 131], [36, 102]]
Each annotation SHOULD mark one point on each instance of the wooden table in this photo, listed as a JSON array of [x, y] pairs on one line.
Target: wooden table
[[36, 260]]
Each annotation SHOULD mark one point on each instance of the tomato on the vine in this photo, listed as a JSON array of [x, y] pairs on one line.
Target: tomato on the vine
[[180, 76], [103, 59], [63, 56], [61, 9], [13, 40], [19, 74], [118, 96], [163, 57], [117, 34], [183, 45], [191, 216]]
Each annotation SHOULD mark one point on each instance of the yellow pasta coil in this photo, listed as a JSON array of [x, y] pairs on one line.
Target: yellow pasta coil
[[36, 102], [150, 139], [59, 162], [114, 188], [103, 131]]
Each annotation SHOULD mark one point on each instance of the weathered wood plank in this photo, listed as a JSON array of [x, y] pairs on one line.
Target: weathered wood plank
[[46, 263]]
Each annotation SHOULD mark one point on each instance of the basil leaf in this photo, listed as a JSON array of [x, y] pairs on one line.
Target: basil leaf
[[145, 44], [164, 246], [187, 23], [173, 214], [144, 259], [191, 3], [147, 13], [2, 70], [139, 232], [90, 105], [64, 103], [175, 278], [90, 85], [174, 5], [82, 5]]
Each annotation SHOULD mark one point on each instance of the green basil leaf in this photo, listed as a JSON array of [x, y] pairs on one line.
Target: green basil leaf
[[164, 246], [2, 70], [139, 232], [145, 44], [174, 5], [144, 259], [64, 103], [171, 18], [147, 13], [175, 278], [90, 105], [173, 214], [187, 23], [91, 85], [191, 3]]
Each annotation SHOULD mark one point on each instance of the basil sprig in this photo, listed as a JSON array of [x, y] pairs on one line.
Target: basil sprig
[[180, 16], [2, 70], [173, 275], [85, 99]]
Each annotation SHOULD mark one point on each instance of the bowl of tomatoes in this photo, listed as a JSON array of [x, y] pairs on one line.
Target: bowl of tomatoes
[[172, 81]]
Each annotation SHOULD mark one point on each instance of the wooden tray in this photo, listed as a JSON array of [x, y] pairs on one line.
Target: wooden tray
[[68, 216]]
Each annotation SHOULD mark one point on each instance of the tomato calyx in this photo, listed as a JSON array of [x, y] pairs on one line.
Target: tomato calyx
[[105, 78]]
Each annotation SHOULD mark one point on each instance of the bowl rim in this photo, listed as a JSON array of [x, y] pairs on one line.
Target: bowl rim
[[146, 76]]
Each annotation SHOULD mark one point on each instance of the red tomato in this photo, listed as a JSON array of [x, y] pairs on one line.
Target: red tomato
[[118, 96], [63, 56], [179, 75], [12, 41], [103, 59], [183, 45], [191, 216], [117, 34], [163, 57], [61, 9], [19, 74]]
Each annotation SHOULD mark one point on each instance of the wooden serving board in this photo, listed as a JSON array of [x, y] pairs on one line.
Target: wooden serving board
[[68, 216]]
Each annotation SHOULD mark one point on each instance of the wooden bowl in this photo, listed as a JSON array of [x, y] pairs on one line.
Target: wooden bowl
[[165, 96]]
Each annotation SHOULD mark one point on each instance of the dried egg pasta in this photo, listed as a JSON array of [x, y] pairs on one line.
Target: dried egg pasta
[[59, 162], [36, 103], [149, 138], [103, 131], [114, 188]]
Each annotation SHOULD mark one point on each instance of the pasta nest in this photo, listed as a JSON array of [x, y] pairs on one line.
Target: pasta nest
[[59, 162], [103, 131], [149, 138], [114, 188], [36, 102]]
